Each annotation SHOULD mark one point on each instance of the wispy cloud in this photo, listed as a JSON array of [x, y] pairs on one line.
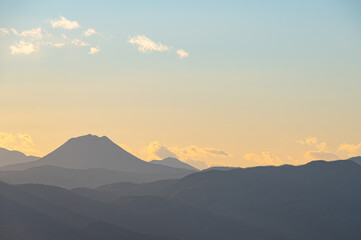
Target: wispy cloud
[[321, 152], [23, 47], [182, 53], [4, 31], [53, 44], [79, 43], [263, 159], [35, 33], [146, 45], [64, 23], [94, 50], [90, 32]]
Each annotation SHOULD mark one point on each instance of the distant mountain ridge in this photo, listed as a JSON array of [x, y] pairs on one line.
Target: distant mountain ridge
[[88, 161], [8, 157], [90, 178], [173, 162], [90, 151]]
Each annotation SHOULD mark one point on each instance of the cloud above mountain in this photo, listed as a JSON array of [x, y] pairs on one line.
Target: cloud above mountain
[[20, 142], [321, 152], [202, 156]]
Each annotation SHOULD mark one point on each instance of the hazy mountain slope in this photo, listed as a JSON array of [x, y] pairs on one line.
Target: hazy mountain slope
[[113, 191], [319, 200], [175, 163], [30, 212], [14, 157], [91, 151], [72, 178], [152, 215], [356, 160]]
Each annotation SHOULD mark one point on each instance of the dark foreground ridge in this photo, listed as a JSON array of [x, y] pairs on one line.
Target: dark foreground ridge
[[318, 200]]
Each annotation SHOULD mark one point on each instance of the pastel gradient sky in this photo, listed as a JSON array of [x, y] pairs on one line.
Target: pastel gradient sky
[[236, 83]]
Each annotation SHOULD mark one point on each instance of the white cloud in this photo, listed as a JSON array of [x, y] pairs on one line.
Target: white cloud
[[14, 31], [146, 45], [64, 36], [94, 50], [80, 43], [4, 31], [53, 44], [35, 33], [20, 142], [23, 47], [64, 23], [182, 53], [90, 32], [263, 159]]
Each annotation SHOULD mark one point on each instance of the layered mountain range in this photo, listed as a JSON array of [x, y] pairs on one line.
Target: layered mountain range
[[90, 161], [111, 194]]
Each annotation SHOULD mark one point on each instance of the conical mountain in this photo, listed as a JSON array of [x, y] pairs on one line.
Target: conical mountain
[[91, 151]]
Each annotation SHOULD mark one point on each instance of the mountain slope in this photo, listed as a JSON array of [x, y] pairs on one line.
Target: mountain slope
[[147, 214], [356, 160], [14, 157], [36, 212], [175, 163]]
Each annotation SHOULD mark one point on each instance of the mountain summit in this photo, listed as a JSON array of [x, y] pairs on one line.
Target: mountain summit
[[91, 151]]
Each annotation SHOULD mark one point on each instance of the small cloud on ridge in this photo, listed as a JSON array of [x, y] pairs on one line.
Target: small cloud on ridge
[[263, 159], [20, 142], [199, 157], [321, 152]]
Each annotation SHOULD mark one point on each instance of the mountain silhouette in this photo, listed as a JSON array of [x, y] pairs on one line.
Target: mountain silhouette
[[88, 161], [91, 151], [175, 163], [8, 157]]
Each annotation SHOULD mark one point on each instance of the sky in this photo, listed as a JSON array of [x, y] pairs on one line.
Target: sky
[[234, 83]]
